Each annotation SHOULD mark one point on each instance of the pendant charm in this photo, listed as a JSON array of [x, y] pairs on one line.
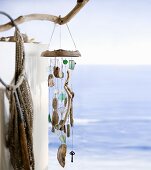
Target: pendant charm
[[72, 153], [72, 64]]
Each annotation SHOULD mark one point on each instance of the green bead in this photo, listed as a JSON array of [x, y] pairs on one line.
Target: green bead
[[62, 96], [65, 61], [49, 118], [62, 138]]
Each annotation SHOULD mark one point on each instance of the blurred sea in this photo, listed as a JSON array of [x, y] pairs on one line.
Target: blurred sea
[[112, 110]]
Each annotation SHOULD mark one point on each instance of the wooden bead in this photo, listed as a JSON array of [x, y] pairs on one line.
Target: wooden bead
[[50, 81], [55, 103], [55, 118]]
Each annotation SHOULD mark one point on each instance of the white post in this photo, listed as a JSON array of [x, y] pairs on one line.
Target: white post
[[36, 69]]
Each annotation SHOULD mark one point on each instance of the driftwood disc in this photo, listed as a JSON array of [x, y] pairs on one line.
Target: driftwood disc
[[60, 53]]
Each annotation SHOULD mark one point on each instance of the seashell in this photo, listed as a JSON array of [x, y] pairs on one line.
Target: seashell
[[50, 81], [61, 74], [62, 154], [55, 118], [55, 103], [56, 71]]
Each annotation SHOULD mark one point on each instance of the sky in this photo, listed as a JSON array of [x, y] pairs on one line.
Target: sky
[[105, 31]]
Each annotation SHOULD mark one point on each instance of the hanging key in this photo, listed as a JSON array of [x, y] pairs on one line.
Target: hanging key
[[72, 153]]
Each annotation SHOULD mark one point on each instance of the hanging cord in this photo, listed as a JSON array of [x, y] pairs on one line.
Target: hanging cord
[[52, 35], [12, 20], [60, 38], [71, 36], [20, 141], [3, 83], [14, 24], [72, 139]]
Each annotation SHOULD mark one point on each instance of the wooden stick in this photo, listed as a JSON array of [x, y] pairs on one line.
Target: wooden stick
[[46, 17], [73, 12], [61, 53], [70, 98]]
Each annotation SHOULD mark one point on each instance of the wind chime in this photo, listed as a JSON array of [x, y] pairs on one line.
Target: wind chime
[[61, 94]]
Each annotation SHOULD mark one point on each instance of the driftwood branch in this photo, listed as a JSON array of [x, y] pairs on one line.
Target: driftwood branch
[[46, 17], [61, 53]]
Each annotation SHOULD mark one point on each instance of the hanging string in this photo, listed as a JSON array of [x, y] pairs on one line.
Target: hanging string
[[61, 65], [71, 36], [72, 139], [57, 78], [60, 37], [49, 91], [52, 35], [62, 77], [3, 83], [12, 20]]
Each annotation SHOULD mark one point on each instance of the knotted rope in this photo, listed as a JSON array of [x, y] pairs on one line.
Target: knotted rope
[[19, 138]]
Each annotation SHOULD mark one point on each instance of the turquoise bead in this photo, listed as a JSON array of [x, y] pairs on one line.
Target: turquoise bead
[[72, 64], [62, 97]]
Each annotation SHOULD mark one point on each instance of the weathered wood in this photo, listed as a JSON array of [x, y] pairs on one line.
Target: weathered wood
[[61, 53], [46, 17], [73, 12]]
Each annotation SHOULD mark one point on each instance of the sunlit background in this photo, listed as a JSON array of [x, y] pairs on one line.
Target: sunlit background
[[105, 31]]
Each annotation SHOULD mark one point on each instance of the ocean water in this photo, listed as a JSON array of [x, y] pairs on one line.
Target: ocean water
[[112, 110]]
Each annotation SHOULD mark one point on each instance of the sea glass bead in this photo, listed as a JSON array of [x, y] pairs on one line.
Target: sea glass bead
[[62, 138], [62, 96], [65, 61], [72, 64], [49, 118]]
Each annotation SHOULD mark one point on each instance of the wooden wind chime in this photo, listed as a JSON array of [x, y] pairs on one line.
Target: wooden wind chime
[[61, 95]]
